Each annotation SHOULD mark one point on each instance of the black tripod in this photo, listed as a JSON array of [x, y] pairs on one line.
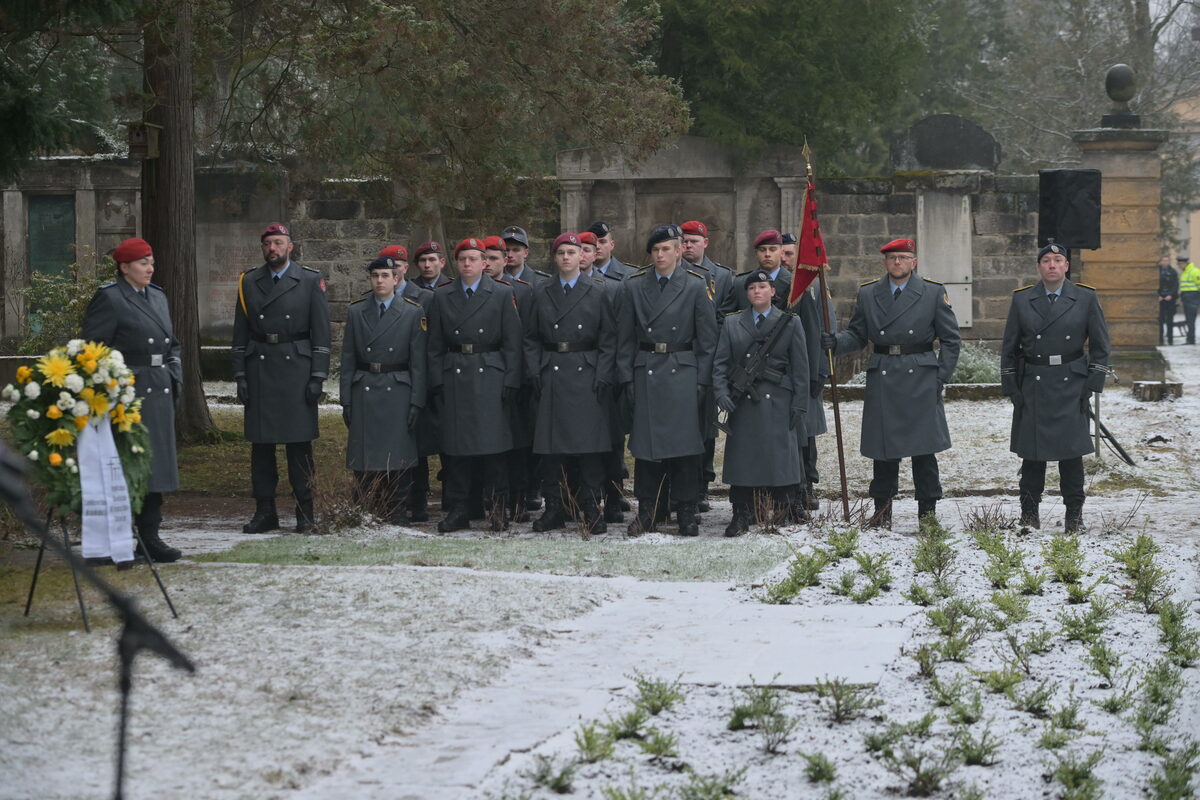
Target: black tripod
[[137, 632]]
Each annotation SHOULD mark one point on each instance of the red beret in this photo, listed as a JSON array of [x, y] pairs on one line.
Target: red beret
[[587, 237], [694, 228], [567, 238], [396, 251], [494, 243], [275, 229], [427, 247], [899, 246], [131, 250], [769, 236], [470, 243]]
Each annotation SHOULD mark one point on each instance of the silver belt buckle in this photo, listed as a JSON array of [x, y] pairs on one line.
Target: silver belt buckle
[[1054, 361], [660, 347], [468, 349], [894, 350], [156, 360], [375, 368], [272, 338], [564, 347]]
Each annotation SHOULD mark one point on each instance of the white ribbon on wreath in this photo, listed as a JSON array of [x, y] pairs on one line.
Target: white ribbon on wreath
[[107, 515]]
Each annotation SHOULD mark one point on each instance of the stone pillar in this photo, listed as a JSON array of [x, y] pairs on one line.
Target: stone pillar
[[1124, 270], [791, 203], [16, 267], [573, 199]]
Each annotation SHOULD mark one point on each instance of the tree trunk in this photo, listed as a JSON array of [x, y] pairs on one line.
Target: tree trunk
[[169, 197]]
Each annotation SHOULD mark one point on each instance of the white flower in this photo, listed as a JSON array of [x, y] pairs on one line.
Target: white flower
[[97, 377], [9, 393], [74, 470], [33, 413], [70, 462], [74, 346], [74, 383], [136, 448], [33, 455], [80, 410], [33, 390], [117, 359], [127, 395]]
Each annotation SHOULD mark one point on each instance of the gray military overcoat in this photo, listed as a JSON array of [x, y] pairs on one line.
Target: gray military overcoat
[[756, 454], [472, 384], [1049, 419], [571, 417], [140, 327], [903, 415], [379, 398], [720, 286], [281, 339], [666, 408], [523, 414]]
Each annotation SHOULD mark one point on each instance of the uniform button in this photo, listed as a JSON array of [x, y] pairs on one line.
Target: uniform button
[[481, 369], [287, 316], [167, 390], [366, 388], [580, 327], [368, 349], [768, 396], [674, 327], [1068, 337], [287, 358], [260, 316], [1038, 336], [649, 330], [168, 340], [1037, 377], [149, 389], [556, 367], [672, 370], [910, 371], [883, 372], [481, 330], [260, 358], [457, 370], [389, 388], [456, 333], [389, 349], [881, 333], [150, 340], [747, 397], [910, 333], [580, 369], [1064, 379], [556, 326], [649, 372]]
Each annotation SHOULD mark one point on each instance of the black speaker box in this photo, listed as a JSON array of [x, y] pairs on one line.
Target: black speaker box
[[1069, 208]]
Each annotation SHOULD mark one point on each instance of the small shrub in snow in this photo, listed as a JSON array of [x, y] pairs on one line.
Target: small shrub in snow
[[923, 772], [1075, 774], [711, 787], [1183, 643], [1173, 781], [843, 701], [1064, 557], [549, 773], [818, 768], [593, 743], [976, 751], [628, 725], [659, 744], [654, 694]]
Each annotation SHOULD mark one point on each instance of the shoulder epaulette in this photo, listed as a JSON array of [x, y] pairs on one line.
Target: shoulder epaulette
[[310, 269], [414, 302], [597, 280], [543, 274], [1085, 286], [109, 285], [868, 283], [518, 280], [610, 276], [722, 266], [732, 313], [444, 283], [640, 272], [156, 286], [359, 300], [1023, 288], [696, 274], [501, 280], [248, 271], [931, 280], [747, 272]]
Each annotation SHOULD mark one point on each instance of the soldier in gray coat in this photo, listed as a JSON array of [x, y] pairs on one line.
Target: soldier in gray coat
[[475, 367], [570, 352], [281, 342], [608, 265], [900, 316], [383, 389], [1050, 379], [757, 458], [667, 332], [131, 315]]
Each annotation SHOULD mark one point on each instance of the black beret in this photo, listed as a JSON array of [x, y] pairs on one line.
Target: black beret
[[1181, 259], [601, 229], [758, 276], [663, 233], [1055, 247], [382, 263], [790, 238]]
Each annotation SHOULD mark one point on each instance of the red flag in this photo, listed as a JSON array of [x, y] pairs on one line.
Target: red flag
[[810, 258]]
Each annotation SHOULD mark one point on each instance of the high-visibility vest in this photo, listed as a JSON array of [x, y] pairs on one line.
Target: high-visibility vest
[[1189, 281]]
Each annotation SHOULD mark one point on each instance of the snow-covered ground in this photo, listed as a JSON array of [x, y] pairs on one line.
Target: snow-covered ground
[[394, 681]]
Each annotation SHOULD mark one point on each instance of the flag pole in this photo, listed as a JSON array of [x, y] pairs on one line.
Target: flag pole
[[828, 327]]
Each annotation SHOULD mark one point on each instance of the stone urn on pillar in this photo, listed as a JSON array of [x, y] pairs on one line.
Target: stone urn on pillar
[[1124, 270]]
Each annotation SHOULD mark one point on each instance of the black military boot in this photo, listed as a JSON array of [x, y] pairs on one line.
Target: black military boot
[[305, 518], [418, 504], [688, 524], [614, 505], [593, 522], [553, 518], [1030, 518], [533, 500], [456, 520], [927, 512], [156, 548], [265, 518], [741, 520], [644, 521], [882, 518], [809, 498], [1074, 520]]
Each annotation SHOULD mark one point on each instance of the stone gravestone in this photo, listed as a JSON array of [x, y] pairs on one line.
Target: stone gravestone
[[945, 142]]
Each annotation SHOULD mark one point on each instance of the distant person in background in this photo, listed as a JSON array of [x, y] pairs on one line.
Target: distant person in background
[[131, 315], [1168, 300], [1189, 293]]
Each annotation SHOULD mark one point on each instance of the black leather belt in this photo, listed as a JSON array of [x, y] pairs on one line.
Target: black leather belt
[[1053, 361], [664, 347], [569, 347], [146, 360], [902, 349], [376, 368], [471, 349], [278, 338]]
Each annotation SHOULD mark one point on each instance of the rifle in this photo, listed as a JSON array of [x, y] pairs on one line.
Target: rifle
[[743, 377]]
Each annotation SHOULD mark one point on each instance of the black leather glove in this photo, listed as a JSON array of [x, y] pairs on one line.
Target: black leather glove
[[828, 340], [507, 396], [796, 420], [312, 392], [414, 414], [243, 390], [726, 404], [346, 415], [604, 392]]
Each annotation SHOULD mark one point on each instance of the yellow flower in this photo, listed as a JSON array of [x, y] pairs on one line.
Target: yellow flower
[[55, 368], [90, 366], [112, 384], [60, 437], [90, 354], [24, 374], [87, 393], [55, 460], [98, 403], [135, 417], [80, 423], [54, 412]]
